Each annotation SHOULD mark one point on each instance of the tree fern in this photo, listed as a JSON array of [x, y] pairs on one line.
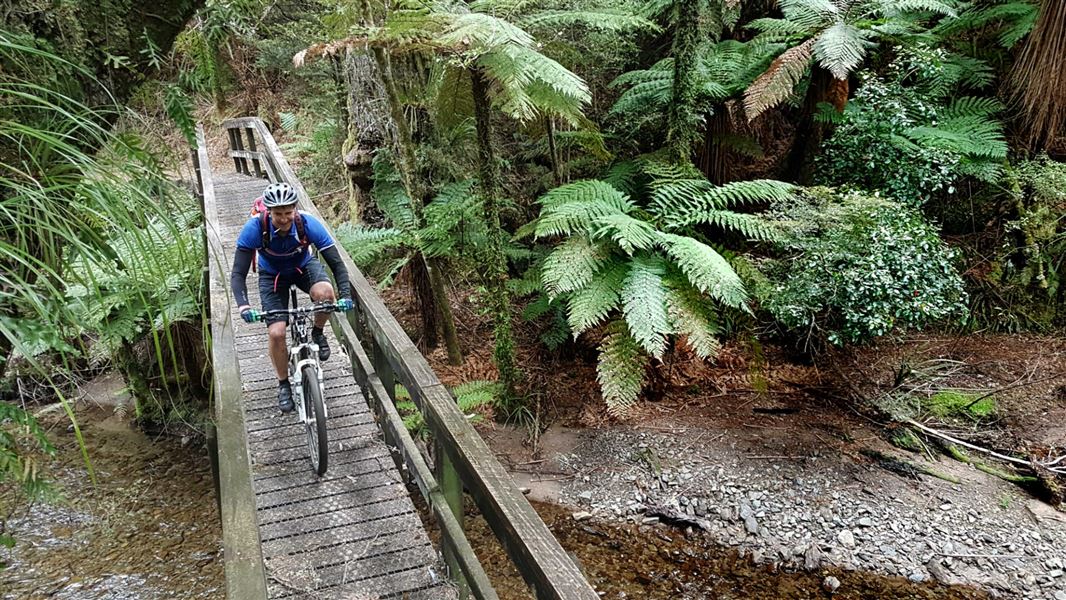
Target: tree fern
[[573, 264], [776, 84], [690, 201], [841, 47], [644, 304], [366, 244], [968, 135], [630, 234], [590, 305], [575, 207], [620, 370], [706, 269], [692, 317]]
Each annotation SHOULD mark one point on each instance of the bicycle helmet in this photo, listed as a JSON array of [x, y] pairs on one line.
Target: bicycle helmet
[[279, 194]]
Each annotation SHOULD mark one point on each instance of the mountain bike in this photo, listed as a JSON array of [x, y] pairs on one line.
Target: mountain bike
[[305, 375]]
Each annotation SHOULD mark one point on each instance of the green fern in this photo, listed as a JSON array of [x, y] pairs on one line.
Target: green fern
[[971, 136], [630, 234], [573, 264], [590, 305], [692, 317], [706, 269], [644, 304], [620, 370], [575, 207], [366, 244]]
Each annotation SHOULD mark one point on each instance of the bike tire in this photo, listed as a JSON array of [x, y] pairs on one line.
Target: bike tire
[[317, 439]]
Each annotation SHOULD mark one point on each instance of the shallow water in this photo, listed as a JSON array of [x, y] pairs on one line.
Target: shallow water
[[149, 528], [661, 563]]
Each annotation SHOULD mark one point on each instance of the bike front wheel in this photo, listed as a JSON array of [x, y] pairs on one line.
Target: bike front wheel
[[314, 408]]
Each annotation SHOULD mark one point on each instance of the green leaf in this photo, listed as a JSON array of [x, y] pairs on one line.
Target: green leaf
[[706, 269], [620, 370], [692, 317], [841, 48], [590, 305], [630, 234], [644, 304], [572, 265]]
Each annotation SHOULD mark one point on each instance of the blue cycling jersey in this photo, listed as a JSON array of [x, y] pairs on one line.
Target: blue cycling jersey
[[284, 254]]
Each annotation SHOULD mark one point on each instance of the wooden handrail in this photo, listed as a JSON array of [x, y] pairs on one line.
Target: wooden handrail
[[383, 354], [245, 572]]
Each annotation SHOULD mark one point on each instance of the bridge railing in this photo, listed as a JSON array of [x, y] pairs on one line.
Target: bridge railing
[[382, 355], [245, 572]]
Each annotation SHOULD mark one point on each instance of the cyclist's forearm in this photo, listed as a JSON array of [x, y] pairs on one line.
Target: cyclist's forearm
[[340, 272], [242, 260]]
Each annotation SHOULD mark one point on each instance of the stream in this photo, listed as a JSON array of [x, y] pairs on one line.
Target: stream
[[149, 529]]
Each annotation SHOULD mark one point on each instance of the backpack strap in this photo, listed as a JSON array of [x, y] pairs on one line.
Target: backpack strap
[[301, 231]]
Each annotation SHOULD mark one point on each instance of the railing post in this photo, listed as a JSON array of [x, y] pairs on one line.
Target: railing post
[[452, 488], [238, 144], [199, 176], [251, 146]]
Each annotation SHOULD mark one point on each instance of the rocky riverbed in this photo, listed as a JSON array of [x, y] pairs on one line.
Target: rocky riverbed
[[807, 510]]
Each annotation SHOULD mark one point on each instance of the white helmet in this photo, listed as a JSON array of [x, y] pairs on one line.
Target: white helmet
[[279, 194]]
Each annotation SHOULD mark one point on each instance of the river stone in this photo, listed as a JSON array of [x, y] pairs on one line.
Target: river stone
[[812, 558], [846, 538], [831, 584], [751, 524]]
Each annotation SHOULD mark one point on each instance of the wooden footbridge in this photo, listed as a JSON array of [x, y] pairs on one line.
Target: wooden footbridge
[[353, 533]]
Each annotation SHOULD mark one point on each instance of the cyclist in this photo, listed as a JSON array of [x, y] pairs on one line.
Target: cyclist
[[282, 240]]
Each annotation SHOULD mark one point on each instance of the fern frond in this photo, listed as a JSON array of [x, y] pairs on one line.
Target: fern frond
[[513, 72], [895, 8], [367, 244], [810, 13], [536, 309], [572, 265], [689, 201], [471, 395], [607, 20], [620, 370], [778, 29], [630, 234], [644, 304], [590, 305], [971, 136], [841, 48], [706, 269], [644, 98], [623, 176], [969, 106], [691, 316], [574, 207], [776, 84], [753, 227]]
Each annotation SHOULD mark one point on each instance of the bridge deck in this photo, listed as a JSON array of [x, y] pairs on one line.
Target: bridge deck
[[352, 533]]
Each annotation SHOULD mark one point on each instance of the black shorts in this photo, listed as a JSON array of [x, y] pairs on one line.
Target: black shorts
[[274, 289]]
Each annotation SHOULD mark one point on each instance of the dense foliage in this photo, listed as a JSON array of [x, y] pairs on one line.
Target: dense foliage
[[855, 267]]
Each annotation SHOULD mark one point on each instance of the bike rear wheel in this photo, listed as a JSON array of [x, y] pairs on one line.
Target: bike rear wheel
[[317, 442]]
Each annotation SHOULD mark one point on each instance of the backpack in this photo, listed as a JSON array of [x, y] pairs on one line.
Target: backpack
[[259, 210]]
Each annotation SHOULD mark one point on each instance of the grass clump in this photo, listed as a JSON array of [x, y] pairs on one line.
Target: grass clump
[[958, 404]]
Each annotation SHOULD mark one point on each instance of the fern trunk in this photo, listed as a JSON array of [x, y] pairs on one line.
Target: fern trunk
[[824, 87], [557, 173], [680, 117], [1038, 81], [496, 267], [427, 304], [447, 320]]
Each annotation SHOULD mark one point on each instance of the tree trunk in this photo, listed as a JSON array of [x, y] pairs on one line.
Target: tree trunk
[[496, 267], [440, 295], [810, 133], [427, 302], [680, 121], [136, 381], [1038, 81], [557, 174]]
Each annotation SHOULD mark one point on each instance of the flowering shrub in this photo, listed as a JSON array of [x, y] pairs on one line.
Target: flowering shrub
[[859, 266]]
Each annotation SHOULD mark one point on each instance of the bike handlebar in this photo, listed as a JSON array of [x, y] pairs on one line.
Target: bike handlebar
[[317, 307]]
